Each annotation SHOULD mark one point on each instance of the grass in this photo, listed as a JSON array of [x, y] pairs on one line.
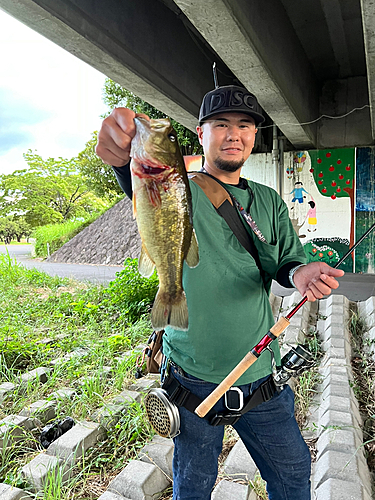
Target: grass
[[45, 318], [51, 237], [363, 364], [87, 328]]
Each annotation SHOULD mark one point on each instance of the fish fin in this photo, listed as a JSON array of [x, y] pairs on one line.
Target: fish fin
[[192, 257], [145, 264], [167, 312], [134, 207], [153, 193]]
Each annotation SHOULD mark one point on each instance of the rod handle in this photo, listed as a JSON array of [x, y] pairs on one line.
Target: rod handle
[[226, 384], [236, 373]]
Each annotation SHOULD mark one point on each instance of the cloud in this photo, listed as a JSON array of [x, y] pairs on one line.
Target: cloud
[[50, 101], [16, 118]]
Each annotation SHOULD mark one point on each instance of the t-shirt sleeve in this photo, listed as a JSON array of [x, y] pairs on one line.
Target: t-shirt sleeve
[[124, 179]]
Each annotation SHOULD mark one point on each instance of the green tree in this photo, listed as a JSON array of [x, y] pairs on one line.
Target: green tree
[[8, 229], [99, 176], [22, 229], [48, 191], [116, 96], [334, 176]]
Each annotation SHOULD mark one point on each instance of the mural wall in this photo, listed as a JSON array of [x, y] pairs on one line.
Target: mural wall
[[365, 209], [330, 195], [331, 201]]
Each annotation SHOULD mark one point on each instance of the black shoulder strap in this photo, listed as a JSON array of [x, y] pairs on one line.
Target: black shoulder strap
[[223, 203]]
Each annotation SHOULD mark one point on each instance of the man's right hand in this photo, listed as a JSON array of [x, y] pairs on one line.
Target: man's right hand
[[115, 136]]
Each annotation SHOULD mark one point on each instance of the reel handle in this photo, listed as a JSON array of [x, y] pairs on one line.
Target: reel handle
[[240, 369]]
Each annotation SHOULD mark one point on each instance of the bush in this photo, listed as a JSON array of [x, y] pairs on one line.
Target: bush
[[131, 292]]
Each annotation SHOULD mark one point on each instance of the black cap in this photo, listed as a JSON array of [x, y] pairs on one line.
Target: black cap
[[228, 99]]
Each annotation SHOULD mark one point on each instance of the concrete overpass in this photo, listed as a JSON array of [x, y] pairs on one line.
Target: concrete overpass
[[302, 59]]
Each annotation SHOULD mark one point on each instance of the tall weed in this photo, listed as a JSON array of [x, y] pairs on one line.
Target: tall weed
[[131, 293]]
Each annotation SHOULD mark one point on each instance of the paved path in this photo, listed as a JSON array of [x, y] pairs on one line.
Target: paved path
[[81, 272], [355, 287]]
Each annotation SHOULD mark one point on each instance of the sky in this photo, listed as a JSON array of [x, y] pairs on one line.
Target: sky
[[50, 101]]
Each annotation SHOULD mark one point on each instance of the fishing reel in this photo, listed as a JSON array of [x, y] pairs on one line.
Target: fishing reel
[[294, 363], [162, 414]]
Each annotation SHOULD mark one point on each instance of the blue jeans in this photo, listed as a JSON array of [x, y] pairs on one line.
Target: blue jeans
[[269, 432]]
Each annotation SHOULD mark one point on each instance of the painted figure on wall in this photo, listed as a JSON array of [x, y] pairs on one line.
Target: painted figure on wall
[[298, 192], [311, 216], [324, 219]]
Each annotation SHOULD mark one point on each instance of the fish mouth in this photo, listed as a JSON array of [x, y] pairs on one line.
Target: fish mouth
[[147, 168], [152, 170]]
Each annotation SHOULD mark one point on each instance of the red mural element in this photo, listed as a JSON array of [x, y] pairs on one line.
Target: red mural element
[[335, 176]]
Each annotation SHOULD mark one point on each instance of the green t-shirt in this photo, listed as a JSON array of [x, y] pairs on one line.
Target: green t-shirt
[[229, 309]]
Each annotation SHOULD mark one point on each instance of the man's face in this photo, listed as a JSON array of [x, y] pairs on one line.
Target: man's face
[[227, 140]]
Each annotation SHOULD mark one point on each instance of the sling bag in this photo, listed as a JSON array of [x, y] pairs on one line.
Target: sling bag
[[223, 202]]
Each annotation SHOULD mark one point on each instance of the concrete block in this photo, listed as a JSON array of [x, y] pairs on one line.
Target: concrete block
[[8, 492], [338, 299], [337, 352], [275, 302], [338, 419], [342, 440], [6, 389], [40, 374], [126, 397], [62, 394], [329, 361], [336, 389], [108, 495], [336, 489], [45, 468], [335, 330], [43, 410], [78, 353], [139, 481], [239, 464], [293, 335], [336, 342], [338, 404], [160, 453], [338, 309], [291, 300], [13, 428], [337, 380], [338, 465], [109, 415], [366, 307], [228, 489], [145, 384], [73, 444], [344, 371]]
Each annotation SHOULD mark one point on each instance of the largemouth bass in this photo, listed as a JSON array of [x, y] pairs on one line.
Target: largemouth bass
[[162, 208]]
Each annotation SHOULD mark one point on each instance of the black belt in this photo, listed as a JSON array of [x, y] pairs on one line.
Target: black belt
[[180, 396]]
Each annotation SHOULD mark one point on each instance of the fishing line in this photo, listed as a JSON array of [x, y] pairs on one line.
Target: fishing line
[[317, 119]]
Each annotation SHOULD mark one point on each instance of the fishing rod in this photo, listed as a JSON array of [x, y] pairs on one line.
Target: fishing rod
[[295, 361]]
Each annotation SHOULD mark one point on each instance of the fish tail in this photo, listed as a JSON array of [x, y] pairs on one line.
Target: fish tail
[[170, 311]]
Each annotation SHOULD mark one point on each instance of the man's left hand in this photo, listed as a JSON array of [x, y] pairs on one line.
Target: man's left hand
[[316, 280]]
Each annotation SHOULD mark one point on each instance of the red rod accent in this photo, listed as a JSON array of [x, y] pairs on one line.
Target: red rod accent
[[263, 343], [298, 306]]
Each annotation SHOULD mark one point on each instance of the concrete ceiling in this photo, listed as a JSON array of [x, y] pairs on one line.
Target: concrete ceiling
[[303, 60]]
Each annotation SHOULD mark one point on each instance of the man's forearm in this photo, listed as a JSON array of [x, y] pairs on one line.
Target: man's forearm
[[124, 179]]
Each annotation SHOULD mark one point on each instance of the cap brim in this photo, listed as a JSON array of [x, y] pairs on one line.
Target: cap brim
[[258, 118]]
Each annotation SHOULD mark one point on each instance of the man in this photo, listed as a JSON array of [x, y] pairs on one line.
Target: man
[[229, 310]]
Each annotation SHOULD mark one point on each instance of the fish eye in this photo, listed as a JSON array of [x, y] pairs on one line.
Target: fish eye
[[172, 137]]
